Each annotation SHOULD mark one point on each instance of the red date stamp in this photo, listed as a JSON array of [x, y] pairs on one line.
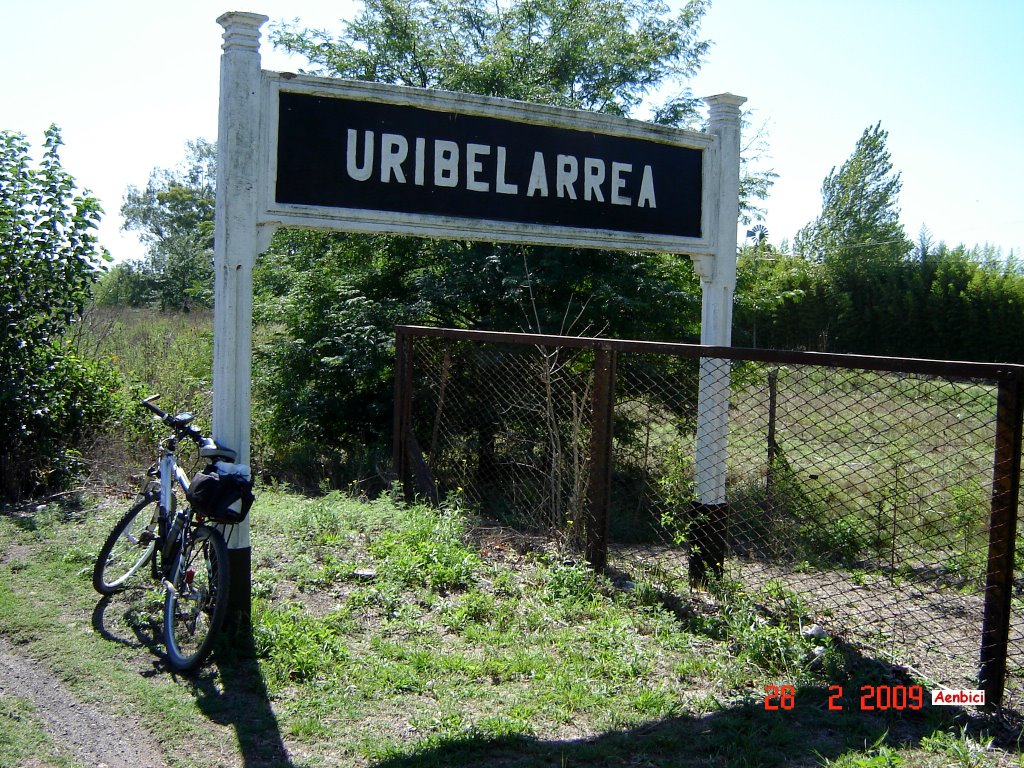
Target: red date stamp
[[870, 698]]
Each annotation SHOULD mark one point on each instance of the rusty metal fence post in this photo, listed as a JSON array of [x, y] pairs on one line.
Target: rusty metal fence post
[[995, 633], [773, 405], [403, 410], [600, 480]]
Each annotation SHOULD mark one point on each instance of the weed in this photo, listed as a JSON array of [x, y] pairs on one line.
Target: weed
[[296, 646], [329, 570], [878, 755], [475, 608], [966, 751], [786, 605], [429, 549], [574, 583], [775, 649], [644, 593]]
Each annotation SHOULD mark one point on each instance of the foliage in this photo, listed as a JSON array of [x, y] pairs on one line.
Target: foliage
[[858, 210], [166, 353], [859, 240], [966, 750], [755, 181], [326, 378], [323, 378], [428, 549], [600, 55], [956, 303], [857, 284], [123, 285], [49, 258], [766, 280], [174, 216]]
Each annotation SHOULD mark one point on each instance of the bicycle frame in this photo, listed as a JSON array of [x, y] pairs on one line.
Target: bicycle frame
[[169, 473], [169, 525]]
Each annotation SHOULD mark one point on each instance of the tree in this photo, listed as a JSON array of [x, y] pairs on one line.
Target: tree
[[859, 240], [770, 283], [174, 216], [49, 258], [859, 215], [600, 55], [123, 285], [755, 181]]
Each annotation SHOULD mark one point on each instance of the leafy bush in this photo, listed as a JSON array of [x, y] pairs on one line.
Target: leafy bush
[[49, 255]]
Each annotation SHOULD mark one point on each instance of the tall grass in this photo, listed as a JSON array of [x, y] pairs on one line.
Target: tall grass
[[165, 352], [154, 352]]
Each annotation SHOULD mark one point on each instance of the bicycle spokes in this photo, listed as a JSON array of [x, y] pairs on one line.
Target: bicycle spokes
[[195, 608]]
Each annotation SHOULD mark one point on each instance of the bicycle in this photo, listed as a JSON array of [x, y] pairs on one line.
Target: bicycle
[[186, 555]]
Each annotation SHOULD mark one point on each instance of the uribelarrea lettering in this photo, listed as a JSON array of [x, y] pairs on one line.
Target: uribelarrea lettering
[[393, 159]]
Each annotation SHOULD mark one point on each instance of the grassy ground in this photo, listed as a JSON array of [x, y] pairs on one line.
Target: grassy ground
[[391, 636]]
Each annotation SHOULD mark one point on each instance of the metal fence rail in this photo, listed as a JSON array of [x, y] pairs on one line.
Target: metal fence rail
[[879, 494]]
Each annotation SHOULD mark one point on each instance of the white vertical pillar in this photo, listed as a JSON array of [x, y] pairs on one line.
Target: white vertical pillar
[[236, 242], [718, 283]]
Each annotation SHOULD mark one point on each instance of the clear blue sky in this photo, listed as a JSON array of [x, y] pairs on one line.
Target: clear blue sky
[[130, 82]]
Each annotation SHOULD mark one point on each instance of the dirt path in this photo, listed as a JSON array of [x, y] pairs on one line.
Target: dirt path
[[85, 734]]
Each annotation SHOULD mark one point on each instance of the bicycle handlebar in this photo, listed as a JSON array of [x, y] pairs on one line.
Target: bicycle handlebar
[[181, 428], [208, 448]]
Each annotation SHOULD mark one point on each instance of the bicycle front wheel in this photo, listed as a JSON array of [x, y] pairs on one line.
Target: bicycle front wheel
[[129, 546], [194, 610]]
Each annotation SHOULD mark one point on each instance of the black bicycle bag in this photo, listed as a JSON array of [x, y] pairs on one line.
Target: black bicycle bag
[[220, 497]]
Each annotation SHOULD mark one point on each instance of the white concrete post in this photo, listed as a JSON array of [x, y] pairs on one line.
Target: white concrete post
[[236, 243], [718, 283], [709, 517]]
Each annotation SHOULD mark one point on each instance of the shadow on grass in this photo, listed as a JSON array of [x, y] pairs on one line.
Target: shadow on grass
[[33, 516], [243, 703], [820, 723], [744, 734], [115, 620], [230, 691]]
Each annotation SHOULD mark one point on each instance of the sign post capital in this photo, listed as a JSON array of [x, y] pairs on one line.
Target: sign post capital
[[724, 105], [242, 30]]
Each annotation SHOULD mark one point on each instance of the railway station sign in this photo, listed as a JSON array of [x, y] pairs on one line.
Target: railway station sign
[[370, 157]]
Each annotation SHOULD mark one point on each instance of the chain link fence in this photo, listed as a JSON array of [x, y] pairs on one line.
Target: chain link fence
[[880, 495]]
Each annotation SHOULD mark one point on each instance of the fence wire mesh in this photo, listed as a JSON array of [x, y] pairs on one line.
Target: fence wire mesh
[[862, 499]]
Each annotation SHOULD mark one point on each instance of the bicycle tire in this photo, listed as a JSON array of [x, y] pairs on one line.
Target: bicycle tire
[[128, 547], [194, 611]]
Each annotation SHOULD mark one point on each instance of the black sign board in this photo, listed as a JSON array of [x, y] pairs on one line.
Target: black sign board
[[337, 152]]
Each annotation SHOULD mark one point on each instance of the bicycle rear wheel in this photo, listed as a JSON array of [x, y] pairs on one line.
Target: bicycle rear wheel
[[194, 610], [129, 546]]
